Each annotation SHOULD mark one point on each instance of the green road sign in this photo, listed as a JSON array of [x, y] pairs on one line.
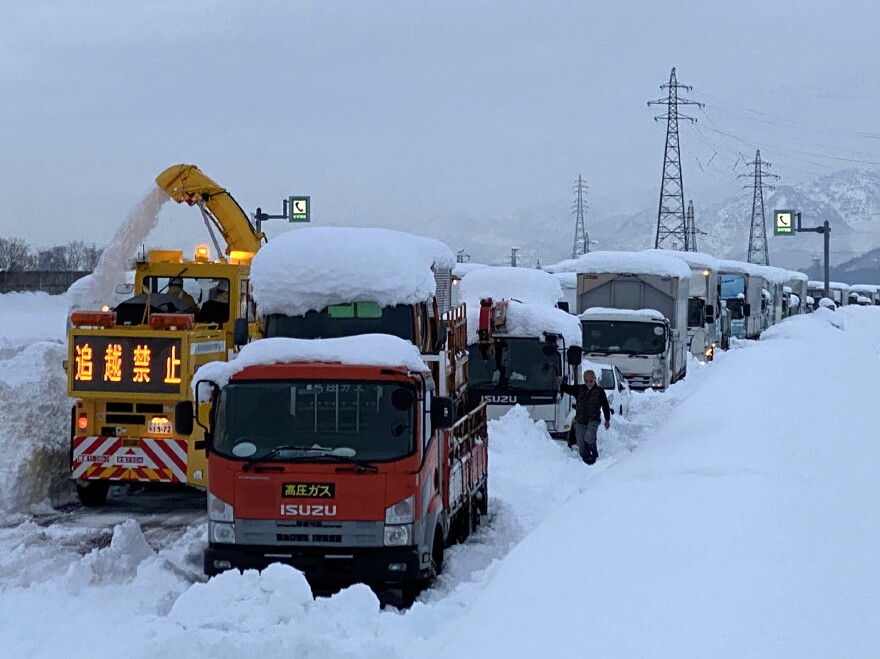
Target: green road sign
[[783, 223], [299, 209]]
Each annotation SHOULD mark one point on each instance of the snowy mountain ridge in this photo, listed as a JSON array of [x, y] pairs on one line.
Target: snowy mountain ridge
[[848, 199]]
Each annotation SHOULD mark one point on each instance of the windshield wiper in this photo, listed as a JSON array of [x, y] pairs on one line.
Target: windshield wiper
[[326, 455], [275, 451]]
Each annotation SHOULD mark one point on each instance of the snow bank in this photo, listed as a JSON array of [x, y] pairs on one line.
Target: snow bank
[[34, 427], [752, 538], [641, 314], [526, 285], [531, 320], [32, 316], [633, 262], [362, 350], [314, 267]]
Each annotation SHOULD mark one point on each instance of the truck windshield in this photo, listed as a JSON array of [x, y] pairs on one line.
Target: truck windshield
[[736, 308], [522, 364], [364, 420], [624, 337], [696, 312], [340, 320]]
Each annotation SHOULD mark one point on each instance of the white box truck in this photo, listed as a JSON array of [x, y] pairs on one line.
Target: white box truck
[[633, 310]]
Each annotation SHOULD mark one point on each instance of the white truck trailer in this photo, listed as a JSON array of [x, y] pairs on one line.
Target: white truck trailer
[[704, 310], [633, 310]]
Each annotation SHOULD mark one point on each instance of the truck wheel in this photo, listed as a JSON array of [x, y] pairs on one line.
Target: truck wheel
[[92, 493], [437, 553], [484, 502], [475, 515]]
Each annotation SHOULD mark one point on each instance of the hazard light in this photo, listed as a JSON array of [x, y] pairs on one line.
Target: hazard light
[[203, 254], [240, 257], [82, 422], [172, 321], [103, 319]]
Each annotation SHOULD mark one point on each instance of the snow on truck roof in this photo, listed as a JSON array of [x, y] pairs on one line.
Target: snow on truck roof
[[526, 285], [312, 268], [650, 314], [864, 288], [633, 262], [770, 273], [693, 259], [531, 320], [363, 350]]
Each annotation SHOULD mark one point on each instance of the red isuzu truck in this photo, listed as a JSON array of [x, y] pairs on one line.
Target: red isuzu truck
[[341, 457]]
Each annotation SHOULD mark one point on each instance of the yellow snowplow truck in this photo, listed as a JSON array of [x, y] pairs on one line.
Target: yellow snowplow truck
[[129, 365]]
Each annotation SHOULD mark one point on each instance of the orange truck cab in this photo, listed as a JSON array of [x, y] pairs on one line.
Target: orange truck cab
[[351, 470]]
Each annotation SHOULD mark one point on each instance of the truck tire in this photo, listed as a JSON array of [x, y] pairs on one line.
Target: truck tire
[[437, 552], [92, 493]]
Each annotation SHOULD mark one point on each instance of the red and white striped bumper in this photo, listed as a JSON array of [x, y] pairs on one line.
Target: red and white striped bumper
[[150, 460]]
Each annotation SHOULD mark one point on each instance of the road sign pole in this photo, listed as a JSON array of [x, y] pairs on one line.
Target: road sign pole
[[826, 229]]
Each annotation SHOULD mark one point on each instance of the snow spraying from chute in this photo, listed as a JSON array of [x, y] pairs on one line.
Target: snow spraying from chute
[[97, 289]]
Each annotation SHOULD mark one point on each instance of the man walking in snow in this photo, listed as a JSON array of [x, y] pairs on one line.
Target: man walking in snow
[[590, 400]]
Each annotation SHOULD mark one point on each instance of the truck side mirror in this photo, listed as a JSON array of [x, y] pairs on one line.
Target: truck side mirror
[[183, 418], [239, 332], [563, 305], [442, 413], [574, 354], [747, 310], [710, 313]]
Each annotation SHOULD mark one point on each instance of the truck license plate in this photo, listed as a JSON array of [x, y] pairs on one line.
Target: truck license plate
[[159, 426]]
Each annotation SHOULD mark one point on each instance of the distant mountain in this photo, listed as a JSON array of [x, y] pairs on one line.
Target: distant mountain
[[849, 200], [863, 269]]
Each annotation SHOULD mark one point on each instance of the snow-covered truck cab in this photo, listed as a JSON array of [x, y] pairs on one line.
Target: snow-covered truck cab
[[741, 290], [796, 300], [638, 341], [519, 344], [869, 292], [633, 311], [704, 309], [127, 366], [339, 457]]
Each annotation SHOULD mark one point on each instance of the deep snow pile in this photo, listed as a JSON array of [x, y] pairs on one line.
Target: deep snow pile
[[34, 416], [311, 268], [733, 515]]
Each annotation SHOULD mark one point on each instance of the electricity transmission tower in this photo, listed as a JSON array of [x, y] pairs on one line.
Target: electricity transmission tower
[[690, 228], [462, 257], [579, 208], [513, 252], [758, 252], [671, 228]]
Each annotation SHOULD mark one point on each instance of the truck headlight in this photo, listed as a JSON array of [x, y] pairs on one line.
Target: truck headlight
[[221, 533], [219, 510], [398, 535], [402, 512]]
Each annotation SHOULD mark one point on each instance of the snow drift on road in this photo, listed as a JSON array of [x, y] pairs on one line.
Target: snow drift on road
[[733, 515]]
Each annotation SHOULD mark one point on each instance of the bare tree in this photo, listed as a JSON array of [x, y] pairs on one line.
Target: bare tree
[[74, 256], [15, 254]]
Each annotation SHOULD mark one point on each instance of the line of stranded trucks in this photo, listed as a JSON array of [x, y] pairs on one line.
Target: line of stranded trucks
[[329, 396]]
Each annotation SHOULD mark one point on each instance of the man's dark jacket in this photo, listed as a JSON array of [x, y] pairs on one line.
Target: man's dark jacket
[[588, 402]]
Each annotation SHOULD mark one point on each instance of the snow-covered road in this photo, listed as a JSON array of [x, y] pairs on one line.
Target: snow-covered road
[[734, 515]]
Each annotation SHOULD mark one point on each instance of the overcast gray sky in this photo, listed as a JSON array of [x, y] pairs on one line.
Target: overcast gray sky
[[408, 113]]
